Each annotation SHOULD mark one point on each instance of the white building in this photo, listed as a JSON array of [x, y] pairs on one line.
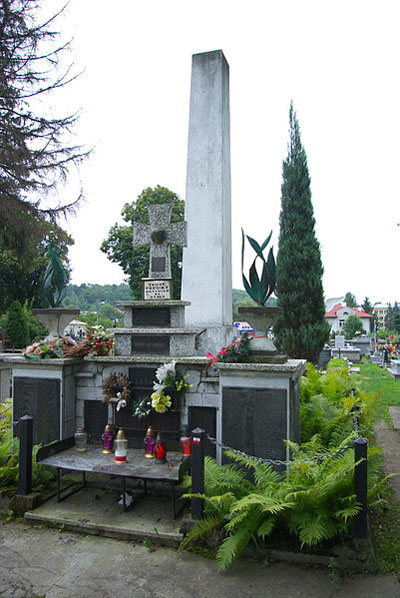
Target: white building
[[339, 313]]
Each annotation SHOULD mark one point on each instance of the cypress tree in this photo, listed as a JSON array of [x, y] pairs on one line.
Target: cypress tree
[[17, 325], [301, 330]]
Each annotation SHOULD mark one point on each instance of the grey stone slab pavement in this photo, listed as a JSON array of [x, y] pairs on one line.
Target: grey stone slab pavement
[[54, 564]]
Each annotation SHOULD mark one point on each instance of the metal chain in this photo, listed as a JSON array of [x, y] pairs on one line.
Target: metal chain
[[9, 426], [4, 410], [278, 461]]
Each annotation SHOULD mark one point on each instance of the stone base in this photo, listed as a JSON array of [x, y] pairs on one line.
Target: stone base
[[267, 358], [21, 503], [213, 339]]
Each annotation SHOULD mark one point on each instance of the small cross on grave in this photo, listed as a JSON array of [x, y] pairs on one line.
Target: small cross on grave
[[159, 234]]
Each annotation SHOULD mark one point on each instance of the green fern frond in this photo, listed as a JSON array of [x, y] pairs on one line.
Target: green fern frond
[[267, 504], [232, 547], [266, 527], [200, 529], [347, 513]]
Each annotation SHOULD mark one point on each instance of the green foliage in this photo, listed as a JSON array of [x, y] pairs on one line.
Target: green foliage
[[35, 143], [301, 330], [350, 300], [367, 306], [9, 458], [23, 279], [134, 261], [259, 288], [16, 326], [352, 326], [96, 296], [327, 405], [315, 501], [392, 321]]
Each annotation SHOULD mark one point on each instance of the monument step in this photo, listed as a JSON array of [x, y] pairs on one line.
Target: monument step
[[157, 331]]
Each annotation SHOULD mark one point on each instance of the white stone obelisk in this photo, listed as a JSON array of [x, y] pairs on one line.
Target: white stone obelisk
[[207, 267]]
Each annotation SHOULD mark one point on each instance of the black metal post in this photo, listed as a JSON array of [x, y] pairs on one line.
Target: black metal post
[[197, 471], [360, 487], [25, 454]]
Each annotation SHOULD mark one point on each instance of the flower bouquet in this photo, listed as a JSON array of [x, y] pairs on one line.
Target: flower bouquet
[[168, 380], [237, 351], [45, 349]]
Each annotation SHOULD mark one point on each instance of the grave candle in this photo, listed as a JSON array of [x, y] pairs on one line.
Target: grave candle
[[108, 440], [161, 450], [121, 445], [186, 444], [149, 443]]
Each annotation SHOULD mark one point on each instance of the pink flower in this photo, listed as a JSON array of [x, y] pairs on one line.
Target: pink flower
[[212, 357]]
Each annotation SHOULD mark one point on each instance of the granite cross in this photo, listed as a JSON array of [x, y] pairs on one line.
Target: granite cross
[[160, 234]]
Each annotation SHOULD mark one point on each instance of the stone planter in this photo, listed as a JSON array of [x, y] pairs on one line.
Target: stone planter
[[55, 319], [262, 348]]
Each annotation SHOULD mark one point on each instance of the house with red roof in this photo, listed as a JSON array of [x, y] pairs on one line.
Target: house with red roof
[[339, 313]]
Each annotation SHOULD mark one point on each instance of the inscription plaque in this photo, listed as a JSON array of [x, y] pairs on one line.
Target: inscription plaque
[[151, 317], [254, 421], [40, 398], [158, 264], [142, 377], [157, 289], [158, 345], [95, 417]]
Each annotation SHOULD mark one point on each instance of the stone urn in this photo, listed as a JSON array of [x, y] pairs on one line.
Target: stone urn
[[262, 348], [55, 319]]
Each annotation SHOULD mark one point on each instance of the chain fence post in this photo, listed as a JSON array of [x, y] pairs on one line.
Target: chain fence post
[[25, 454], [197, 471], [360, 529]]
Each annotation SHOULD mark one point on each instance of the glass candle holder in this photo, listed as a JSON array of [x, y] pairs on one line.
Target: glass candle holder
[[81, 439]]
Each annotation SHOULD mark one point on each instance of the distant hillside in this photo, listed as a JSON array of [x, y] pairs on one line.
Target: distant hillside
[[92, 296]]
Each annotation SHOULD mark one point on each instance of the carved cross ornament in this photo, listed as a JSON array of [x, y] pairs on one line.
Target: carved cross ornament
[[160, 234]]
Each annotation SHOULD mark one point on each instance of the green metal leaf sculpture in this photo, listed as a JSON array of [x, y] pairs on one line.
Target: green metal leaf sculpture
[[55, 279], [259, 288]]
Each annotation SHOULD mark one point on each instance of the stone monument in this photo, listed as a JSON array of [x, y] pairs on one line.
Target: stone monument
[[159, 234], [207, 270]]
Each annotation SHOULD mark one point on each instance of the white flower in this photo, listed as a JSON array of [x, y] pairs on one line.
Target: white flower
[[158, 387], [166, 370]]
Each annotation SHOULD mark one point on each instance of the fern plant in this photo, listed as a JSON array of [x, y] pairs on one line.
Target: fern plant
[[314, 501], [9, 458]]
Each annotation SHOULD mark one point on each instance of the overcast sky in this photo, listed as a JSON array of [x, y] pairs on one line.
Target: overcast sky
[[338, 61]]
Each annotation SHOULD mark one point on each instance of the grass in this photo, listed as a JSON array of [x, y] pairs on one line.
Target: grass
[[384, 519], [373, 379], [385, 528]]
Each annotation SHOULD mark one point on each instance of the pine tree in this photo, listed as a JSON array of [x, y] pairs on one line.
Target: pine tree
[[36, 151], [301, 331], [367, 306]]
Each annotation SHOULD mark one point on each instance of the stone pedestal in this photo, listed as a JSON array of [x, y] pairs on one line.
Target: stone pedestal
[[259, 407], [155, 328]]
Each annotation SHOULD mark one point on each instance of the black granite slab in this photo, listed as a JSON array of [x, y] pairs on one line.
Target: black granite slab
[[254, 421], [39, 398]]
